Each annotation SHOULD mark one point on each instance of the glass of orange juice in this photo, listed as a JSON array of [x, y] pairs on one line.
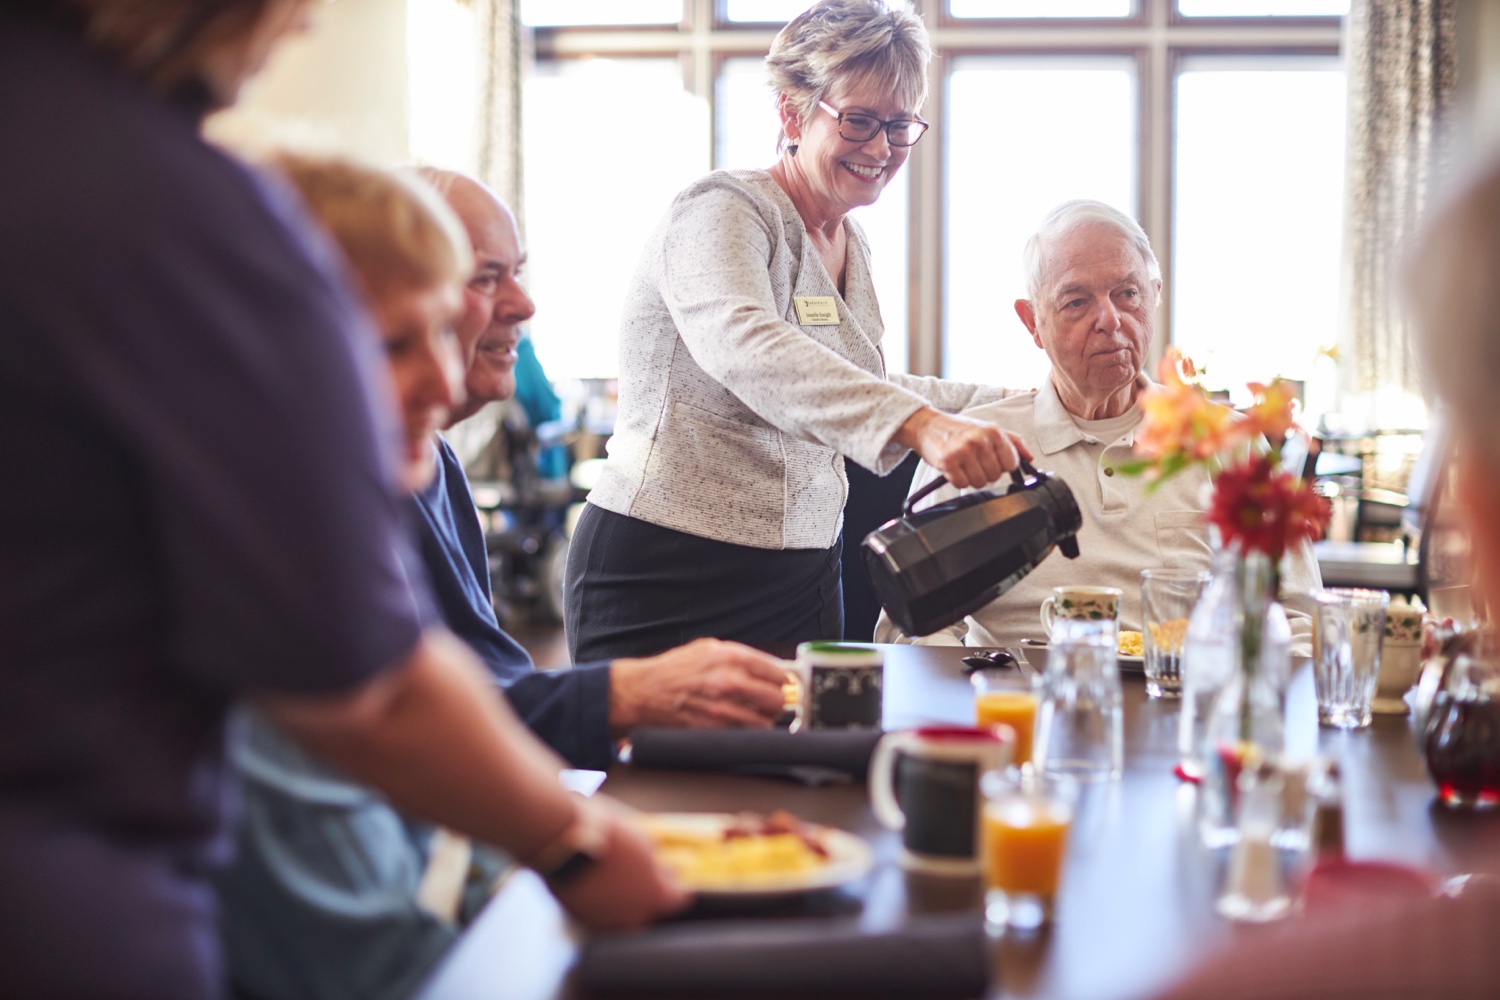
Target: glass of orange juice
[[1007, 697], [1024, 830]]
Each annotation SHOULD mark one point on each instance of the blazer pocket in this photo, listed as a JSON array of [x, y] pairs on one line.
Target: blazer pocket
[[1182, 539]]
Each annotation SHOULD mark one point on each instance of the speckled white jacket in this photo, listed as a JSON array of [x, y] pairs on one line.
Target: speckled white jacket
[[733, 419]]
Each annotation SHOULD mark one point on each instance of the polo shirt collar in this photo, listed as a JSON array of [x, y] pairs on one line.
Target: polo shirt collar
[[1055, 429]]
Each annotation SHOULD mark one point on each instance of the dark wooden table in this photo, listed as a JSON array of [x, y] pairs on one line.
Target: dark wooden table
[[1136, 906]]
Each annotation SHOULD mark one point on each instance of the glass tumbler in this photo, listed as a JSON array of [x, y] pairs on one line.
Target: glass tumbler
[[1080, 726], [1349, 629], [1024, 828], [1168, 597], [1007, 697]]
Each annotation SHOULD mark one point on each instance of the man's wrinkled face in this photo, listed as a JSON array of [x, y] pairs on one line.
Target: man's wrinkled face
[[1097, 309], [495, 304]]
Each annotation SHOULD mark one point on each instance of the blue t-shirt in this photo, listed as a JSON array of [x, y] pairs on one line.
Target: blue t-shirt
[[196, 504]]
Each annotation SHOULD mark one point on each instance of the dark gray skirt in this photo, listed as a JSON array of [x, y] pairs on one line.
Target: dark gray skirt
[[638, 589]]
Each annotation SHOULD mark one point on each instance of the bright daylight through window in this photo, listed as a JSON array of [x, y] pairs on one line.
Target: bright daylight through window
[[1231, 158], [1259, 174], [1005, 173]]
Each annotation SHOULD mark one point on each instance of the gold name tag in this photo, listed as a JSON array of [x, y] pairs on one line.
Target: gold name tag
[[816, 310]]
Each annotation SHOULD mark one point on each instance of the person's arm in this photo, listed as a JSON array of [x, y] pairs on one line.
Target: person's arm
[[432, 734], [704, 685], [950, 396], [970, 453], [1300, 580]]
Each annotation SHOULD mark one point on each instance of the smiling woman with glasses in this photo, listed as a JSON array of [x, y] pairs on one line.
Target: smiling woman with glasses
[[751, 367]]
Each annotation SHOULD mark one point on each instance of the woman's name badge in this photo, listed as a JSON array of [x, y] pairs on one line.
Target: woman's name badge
[[816, 310]]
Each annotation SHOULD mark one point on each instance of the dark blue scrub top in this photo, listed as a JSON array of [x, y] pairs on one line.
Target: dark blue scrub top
[[195, 503], [568, 709]]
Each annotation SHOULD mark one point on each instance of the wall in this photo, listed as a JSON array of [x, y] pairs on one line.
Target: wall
[[341, 87]]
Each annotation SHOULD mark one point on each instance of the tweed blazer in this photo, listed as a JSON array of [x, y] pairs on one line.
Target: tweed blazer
[[734, 418]]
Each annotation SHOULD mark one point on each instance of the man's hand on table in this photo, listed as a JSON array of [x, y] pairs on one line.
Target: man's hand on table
[[623, 888], [704, 685]]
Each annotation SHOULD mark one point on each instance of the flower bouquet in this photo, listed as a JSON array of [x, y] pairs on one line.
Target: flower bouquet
[[1236, 655]]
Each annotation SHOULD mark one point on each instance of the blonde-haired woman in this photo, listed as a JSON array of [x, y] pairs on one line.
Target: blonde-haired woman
[[751, 366], [332, 892]]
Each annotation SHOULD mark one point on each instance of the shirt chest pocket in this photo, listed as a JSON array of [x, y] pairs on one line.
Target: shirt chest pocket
[[1182, 538]]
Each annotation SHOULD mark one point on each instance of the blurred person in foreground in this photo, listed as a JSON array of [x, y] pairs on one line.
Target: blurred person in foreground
[[202, 509], [582, 711], [333, 892], [1093, 285], [1395, 949], [751, 365]]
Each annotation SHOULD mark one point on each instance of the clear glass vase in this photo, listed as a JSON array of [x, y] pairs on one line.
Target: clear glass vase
[[1208, 658], [1245, 724]]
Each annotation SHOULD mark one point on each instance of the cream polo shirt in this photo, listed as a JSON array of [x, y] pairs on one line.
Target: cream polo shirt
[[1125, 528]]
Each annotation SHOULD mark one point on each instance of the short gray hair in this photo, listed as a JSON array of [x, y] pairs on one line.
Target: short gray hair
[[1450, 282], [1074, 215], [839, 41]]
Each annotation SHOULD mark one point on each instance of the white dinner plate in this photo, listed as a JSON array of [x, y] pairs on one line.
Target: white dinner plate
[[849, 857]]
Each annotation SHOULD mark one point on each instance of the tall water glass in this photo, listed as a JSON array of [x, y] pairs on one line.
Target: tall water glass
[[1168, 597], [1080, 726], [1346, 654]]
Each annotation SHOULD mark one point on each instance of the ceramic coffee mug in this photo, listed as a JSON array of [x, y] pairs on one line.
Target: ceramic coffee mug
[[842, 685], [1400, 657], [1089, 603], [925, 783]]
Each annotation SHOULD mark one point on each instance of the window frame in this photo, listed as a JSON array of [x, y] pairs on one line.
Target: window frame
[[1157, 36]]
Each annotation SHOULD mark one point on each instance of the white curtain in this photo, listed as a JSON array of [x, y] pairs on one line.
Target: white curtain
[[1402, 65]]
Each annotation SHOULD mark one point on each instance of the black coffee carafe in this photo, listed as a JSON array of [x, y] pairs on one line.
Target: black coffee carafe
[[931, 568]]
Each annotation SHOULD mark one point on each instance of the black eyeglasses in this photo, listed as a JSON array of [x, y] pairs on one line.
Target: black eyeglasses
[[862, 128]]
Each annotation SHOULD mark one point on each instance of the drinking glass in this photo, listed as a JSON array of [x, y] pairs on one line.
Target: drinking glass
[[1346, 654], [1168, 597], [1007, 697], [1025, 827], [1080, 726]]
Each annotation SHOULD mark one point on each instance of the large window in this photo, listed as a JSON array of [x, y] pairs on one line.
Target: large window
[[1259, 171], [1006, 171], [608, 143], [1217, 123]]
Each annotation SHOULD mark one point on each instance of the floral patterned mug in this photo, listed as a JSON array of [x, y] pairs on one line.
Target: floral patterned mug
[[1086, 603]]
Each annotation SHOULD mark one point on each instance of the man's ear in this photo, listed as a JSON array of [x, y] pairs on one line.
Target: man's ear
[[1028, 317]]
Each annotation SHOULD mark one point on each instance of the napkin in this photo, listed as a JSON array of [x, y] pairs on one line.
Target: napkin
[[934, 956], [806, 756]]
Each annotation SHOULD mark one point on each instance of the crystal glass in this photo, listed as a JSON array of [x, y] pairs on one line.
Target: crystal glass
[[1168, 597], [1346, 654], [1080, 727]]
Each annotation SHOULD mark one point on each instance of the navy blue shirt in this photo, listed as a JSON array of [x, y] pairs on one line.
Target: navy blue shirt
[[196, 503], [568, 709]]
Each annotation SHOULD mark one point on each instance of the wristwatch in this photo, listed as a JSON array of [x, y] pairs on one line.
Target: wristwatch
[[573, 852]]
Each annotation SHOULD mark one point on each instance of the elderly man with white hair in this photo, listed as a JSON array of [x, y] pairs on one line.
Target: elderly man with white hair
[[1093, 285]]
